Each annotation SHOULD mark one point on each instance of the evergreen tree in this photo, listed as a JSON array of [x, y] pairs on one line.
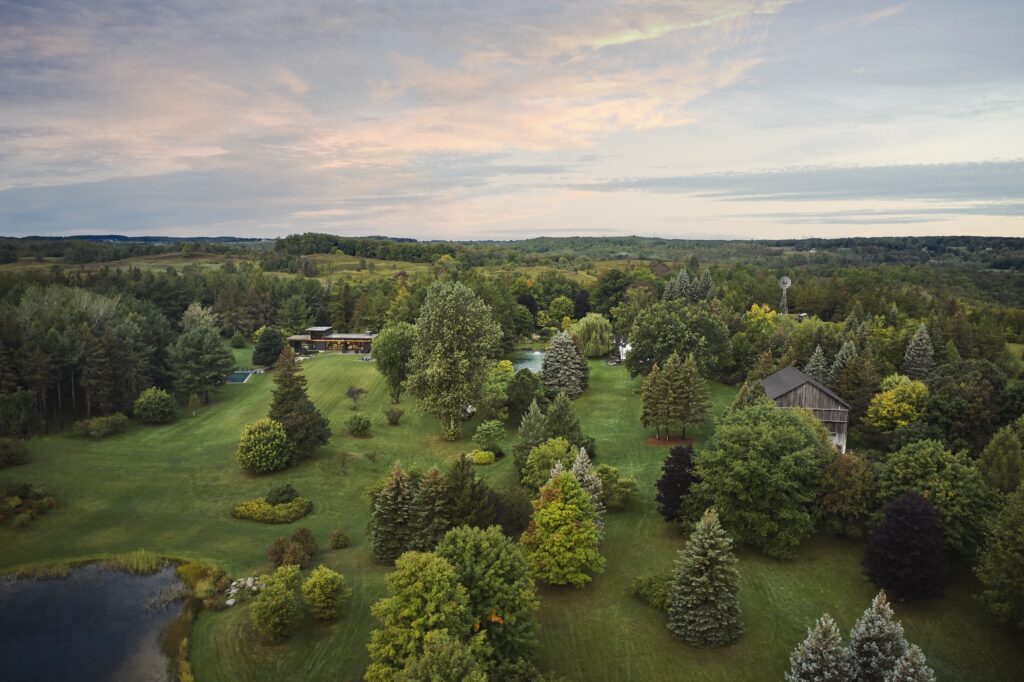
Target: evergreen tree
[[654, 410], [470, 501], [876, 641], [562, 421], [702, 604], [678, 286], [687, 397], [391, 526], [543, 459], [200, 362], [268, 348], [817, 366], [561, 542], [8, 374], [97, 374], [502, 597], [906, 554], [523, 390], [307, 429], [294, 314], [675, 481], [1002, 461], [343, 305], [911, 667], [533, 430], [392, 352], [583, 471], [847, 355], [821, 657], [920, 355], [431, 511], [563, 369], [1001, 560], [750, 392]]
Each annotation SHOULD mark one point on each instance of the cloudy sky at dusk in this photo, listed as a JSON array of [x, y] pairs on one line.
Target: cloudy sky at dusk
[[474, 119]]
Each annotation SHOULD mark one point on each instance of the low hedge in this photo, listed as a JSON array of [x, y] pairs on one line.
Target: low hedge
[[652, 590], [481, 457], [262, 511], [100, 427]]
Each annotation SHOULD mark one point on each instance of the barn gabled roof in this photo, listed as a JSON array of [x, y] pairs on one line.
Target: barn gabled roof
[[789, 378]]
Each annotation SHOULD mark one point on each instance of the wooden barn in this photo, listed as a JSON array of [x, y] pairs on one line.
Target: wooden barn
[[790, 387], [325, 339]]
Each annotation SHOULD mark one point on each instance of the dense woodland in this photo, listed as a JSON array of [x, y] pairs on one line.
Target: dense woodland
[[919, 335]]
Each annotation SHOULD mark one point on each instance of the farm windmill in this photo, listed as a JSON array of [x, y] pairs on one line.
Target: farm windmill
[[784, 283]]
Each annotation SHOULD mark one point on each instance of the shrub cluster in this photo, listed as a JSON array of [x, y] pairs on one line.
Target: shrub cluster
[[279, 607], [100, 427], [280, 494], [260, 510], [481, 457], [12, 452], [394, 415], [358, 425], [652, 590], [339, 539], [154, 406], [22, 503], [298, 549]]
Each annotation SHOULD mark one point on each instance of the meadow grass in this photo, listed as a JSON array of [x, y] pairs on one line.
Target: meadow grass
[[170, 489]]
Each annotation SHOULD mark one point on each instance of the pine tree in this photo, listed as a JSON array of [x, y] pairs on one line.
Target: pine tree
[[307, 429], [688, 399], [563, 370], [1002, 461], [654, 411], [561, 542], [676, 479], [431, 511], [750, 392], [912, 667], [906, 554], [533, 430], [876, 641], [562, 421], [470, 501], [343, 306], [8, 375], [583, 471], [847, 355], [817, 366], [920, 356], [391, 527], [677, 287], [702, 605], [821, 657]]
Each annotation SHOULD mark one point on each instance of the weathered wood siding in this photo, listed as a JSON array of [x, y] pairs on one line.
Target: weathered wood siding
[[829, 411]]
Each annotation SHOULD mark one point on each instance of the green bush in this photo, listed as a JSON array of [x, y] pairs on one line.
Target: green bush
[[325, 592], [652, 589], [23, 519], [488, 435], [276, 610], [297, 550], [358, 425], [264, 447], [100, 427], [154, 406], [394, 415], [280, 494], [12, 452], [481, 457], [616, 492], [238, 340], [262, 511], [339, 539]]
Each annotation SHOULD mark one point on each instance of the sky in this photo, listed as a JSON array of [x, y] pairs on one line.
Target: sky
[[475, 119]]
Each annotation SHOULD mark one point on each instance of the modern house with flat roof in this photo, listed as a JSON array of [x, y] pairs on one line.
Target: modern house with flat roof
[[325, 339], [789, 387]]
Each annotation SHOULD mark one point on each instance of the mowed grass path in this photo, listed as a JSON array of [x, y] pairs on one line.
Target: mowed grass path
[[169, 489]]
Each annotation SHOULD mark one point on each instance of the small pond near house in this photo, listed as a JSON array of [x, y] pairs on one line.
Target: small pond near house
[[95, 624], [527, 359]]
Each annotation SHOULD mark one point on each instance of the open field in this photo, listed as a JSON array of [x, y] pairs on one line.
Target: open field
[[169, 489]]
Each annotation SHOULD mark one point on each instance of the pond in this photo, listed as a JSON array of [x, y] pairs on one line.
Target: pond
[[527, 359], [95, 624]]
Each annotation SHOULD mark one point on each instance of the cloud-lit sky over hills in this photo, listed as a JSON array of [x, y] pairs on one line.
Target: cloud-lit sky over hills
[[473, 119]]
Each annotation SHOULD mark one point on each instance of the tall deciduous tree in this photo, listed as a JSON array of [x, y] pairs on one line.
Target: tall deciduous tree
[[1002, 460], [424, 595], [702, 604], [455, 336], [307, 429], [1001, 560], [821, 656], [593, 334], [876, 641], [919, 357], [906, 554], [564, 369], [676, 479], [502, 597], [391, 526], [562, 539], [392, 353]]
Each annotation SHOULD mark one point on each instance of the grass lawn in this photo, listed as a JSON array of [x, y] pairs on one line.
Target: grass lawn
[[169, 489]]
